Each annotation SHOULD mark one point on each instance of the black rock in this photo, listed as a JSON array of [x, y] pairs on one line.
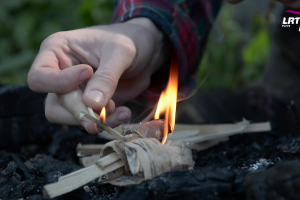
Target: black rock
[[64, 143], [219, 172], [279, 182], [210, 183], [22, 117], [15, 184]]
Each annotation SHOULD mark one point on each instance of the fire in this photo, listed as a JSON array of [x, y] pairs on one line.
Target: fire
[[168, 99], [103, 115]]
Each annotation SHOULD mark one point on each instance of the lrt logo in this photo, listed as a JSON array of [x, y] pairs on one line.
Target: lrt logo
[[291, 20]]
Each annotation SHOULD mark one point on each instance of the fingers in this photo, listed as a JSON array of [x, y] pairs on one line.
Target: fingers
[[56, 113], [119, 116], [73, 102], [45, 78], [66, 108], [130, 89], [102, 85], [110, 107], [56, 68]]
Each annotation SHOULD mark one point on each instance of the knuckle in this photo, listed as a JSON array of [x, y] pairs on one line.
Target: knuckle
[[53, 39], [56, 35], [125, 45]]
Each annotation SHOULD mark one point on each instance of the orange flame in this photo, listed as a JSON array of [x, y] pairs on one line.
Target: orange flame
[[103, 115], [168, 99]]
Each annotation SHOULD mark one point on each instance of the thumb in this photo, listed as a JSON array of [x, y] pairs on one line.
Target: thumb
[[54, 80], [101, 87]]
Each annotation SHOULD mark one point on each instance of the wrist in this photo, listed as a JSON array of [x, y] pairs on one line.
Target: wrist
[[148, 25], [163, 47]]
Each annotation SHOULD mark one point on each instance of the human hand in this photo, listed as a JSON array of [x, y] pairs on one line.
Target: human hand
[[295, 4], [123, 56]]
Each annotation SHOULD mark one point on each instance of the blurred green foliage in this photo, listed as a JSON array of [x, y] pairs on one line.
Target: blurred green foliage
[[234, 57], [24, 24]]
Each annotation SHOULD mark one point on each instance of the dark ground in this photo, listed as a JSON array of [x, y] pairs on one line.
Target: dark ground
[[249, 166]]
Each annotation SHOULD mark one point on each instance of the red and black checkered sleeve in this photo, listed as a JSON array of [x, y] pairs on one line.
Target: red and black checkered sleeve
[[186, 22]]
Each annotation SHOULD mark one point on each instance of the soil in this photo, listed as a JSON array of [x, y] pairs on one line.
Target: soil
[[264, 165]]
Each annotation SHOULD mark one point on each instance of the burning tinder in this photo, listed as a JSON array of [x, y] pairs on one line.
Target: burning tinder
[[168, 99]]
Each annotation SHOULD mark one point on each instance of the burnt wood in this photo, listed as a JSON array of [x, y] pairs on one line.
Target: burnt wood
[[269, 161]]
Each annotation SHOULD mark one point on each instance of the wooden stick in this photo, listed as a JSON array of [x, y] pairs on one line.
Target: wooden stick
[[88, 149], [203, 133], [254, 127], [107, 136], [92, 112], [107, 160], [79, 178], [102, 125], [89, 160], [207, 144]]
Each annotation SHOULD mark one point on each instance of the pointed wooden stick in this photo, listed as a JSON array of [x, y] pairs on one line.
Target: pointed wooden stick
[[92, 112], [107, 160], [89, 160], [81, 177], [102, 125], [201, 133], [252, 127], [88, 149], [206, 144], [195, 128]]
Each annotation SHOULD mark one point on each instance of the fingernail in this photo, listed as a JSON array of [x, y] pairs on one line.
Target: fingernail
[[85, 74], [96, 96], [85, 125], [123, 117]]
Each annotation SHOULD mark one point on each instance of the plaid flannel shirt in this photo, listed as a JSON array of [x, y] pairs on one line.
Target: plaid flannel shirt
[[187, 24]]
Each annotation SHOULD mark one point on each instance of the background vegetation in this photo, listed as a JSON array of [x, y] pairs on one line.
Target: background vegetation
[[232, 58]]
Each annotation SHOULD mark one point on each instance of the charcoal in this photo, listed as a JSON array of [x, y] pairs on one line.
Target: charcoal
[[279, 182], [19, 100], [34, 197], [4, 160], [64, 143], [42, 164], [210, 183], [248, 166], [27, 188], [42, 169], [22, 117], [21, 165], [92, 192]]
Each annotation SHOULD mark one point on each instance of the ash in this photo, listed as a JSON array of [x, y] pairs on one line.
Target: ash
[[248, 166], [87, 188], [260, 163]]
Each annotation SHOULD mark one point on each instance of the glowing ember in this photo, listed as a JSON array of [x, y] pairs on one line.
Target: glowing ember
[[168, 99], [103, 115]]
